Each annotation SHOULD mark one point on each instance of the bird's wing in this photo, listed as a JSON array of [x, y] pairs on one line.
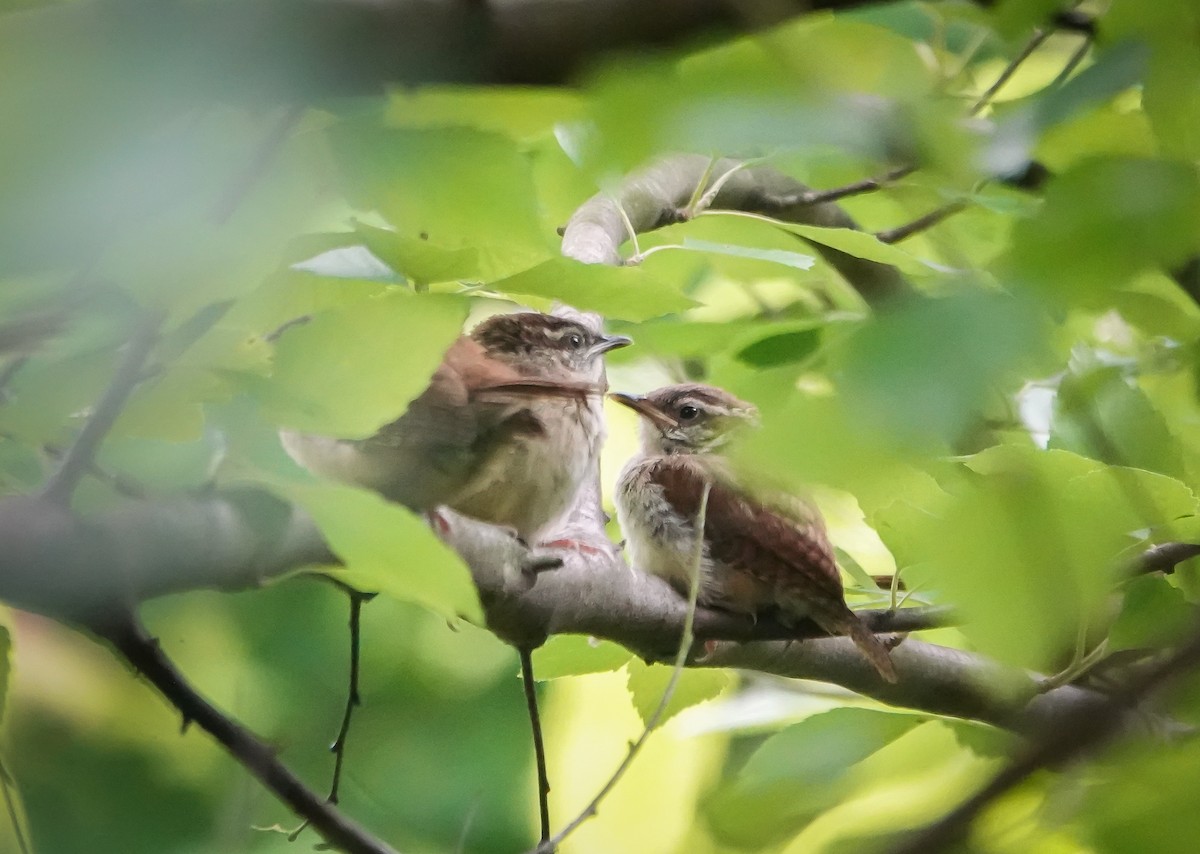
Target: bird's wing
[[782, 543], [473, 405]]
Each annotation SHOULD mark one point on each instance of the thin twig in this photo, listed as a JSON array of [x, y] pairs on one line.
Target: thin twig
[[921, 223], [857, 188], [118, 483], [1035, 41], [1075, 734], [539, 747], [1077, 56], [685, 645], [130, 638], [79, 457], [353, 697]]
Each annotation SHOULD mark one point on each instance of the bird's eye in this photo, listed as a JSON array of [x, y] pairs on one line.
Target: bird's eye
[[687, 413], [575, 341]]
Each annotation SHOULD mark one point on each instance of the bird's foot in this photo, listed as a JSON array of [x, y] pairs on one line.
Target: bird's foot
[[439, 523], [575, 545]]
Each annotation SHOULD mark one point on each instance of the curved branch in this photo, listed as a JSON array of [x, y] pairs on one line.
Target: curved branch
[[79, 570], [654, 196], [130, 639]]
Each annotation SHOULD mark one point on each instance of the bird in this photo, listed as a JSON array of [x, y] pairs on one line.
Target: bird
[[761, 552], [506, 432]]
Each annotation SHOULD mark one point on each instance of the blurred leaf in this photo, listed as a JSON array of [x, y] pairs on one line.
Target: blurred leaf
[[573, 655], [672, 336], [1141, 799], [800, 772], [388, 549], [354, 368], [1105, 220], [520, 112], [923, 370], [1101, 414], [1027, 544], [163, 465], [1171, 95], [1153, 614], [1010, 148], [625, 293], [647, 682], [460, 187], [5, 662]]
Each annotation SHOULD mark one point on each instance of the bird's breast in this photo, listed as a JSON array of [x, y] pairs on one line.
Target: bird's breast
[[530, 482]]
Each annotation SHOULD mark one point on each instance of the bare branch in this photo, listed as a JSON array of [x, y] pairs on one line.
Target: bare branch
[[921, 223], [1164, 557], [539, 746], [1035, 41], [131, 640], [80, 456]]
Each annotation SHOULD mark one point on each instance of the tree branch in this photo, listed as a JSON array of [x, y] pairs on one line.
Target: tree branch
[[75, 570], [1073, 736], [652, 198], [131, 640]]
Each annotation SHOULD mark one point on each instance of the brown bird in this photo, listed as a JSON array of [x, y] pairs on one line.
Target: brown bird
[[506, 432], [759, 552]]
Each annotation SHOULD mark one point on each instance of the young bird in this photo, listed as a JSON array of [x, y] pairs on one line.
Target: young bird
[[509, 427], [758, 552]]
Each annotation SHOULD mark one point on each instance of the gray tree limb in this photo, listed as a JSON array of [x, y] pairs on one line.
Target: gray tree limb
[[83, 571], [654, 196]]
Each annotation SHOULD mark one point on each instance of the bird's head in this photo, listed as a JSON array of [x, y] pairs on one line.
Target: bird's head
[[690, 418], [546, 345]]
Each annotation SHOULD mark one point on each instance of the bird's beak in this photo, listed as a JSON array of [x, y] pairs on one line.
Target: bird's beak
[[646, 409], [608, 342]]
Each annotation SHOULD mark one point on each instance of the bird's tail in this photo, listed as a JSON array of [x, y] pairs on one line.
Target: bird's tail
[[847, 623]]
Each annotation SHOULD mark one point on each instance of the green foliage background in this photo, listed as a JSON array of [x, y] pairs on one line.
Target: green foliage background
[[1006, 441]]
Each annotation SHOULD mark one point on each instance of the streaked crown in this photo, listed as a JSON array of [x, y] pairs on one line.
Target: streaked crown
[[690, 418], [536, 343]]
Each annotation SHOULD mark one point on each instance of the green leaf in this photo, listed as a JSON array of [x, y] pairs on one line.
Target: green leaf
[[1027, 544], [800, 772], [794, 345], [1103, 415], [458, 186], [521, 112], [861, 244], [419, 260], [647, 682], [1171, 95], [1103, 222], [625, 293], [573, 655], [350, 370], [1153, 614], [925, 369], [778, 256], [388, 549]]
